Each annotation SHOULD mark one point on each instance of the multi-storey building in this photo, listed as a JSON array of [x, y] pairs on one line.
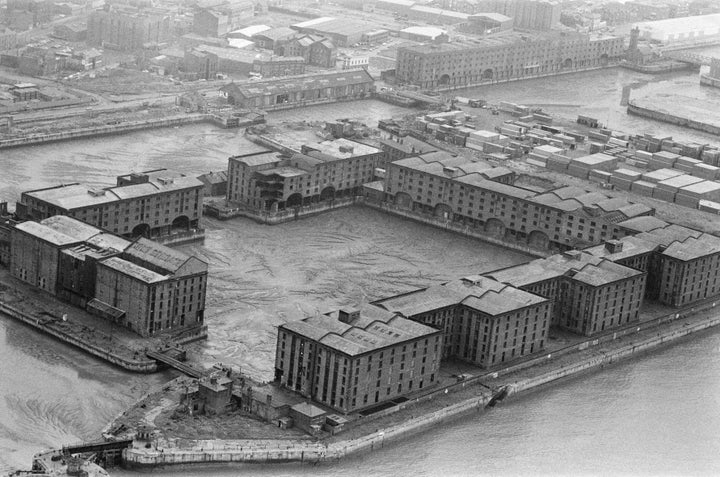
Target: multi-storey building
[[217, 18], [502, 57], [527, 14], [482, 197], [483, 321], [357, 358], [158, 288], [316, 50], [324, 171], [279, 66], [151, 204], [681, 263], [122, 27], [396, 148], [142, 285], [590, 294]]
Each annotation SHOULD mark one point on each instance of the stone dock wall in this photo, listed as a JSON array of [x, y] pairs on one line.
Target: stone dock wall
[[138, 366], [454, 227], [105, 130], [672, 119], [274, 218], [250, 451], [710, 81]]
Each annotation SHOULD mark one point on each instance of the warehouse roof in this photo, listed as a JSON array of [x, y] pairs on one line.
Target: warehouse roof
[[604, 272], [313, 22], [693, 248], [342, 148], [480, 293], [161, 257], [430, 32], [276, 34], [298, 83], [373, 328], [257, 159], [251, 30], [498, 17], [77, 196], [46, 233], [579, 265], [644, 223], [132, 270], [71, 227], [631, 246], [283, 171]]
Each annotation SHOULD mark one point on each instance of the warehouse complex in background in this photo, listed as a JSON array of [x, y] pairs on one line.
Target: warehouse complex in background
[[141, 285], [504, 56], [300, 90]]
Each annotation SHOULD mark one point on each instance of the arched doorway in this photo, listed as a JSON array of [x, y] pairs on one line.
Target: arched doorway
[[488, 74], [538, 240], [181, 223], [327, 193], [443, 211], [495, 227], [604, 59], [294, 200], [567, 63], [141, 230], [444, 80], [403, 200]]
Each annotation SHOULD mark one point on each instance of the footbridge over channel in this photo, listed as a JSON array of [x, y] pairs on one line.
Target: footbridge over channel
[[96, 447], [687, 56], [175, 364]]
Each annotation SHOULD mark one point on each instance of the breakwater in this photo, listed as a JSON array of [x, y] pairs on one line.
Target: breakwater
[[666, 117], [138, 365], [255, 451]]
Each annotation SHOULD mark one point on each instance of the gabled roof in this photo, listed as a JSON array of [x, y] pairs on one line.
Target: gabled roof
[[162, 258]]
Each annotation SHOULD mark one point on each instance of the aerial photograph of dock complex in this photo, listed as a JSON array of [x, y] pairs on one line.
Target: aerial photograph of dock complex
[[359, 237]]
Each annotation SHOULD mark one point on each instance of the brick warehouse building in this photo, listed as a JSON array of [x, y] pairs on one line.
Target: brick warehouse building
[[324, 171], [480, 196], [122, 27], [142, 285], [682, 264], [485, 322], [503, 57], [152, 204], [353, 359], [589, 294], [300, 90]]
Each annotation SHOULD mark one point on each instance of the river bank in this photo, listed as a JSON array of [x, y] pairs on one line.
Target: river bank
[[417, 415]]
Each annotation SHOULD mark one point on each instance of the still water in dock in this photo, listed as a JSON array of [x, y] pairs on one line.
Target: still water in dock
[[655, 416]]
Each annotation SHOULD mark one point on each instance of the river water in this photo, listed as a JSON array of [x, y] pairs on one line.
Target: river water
[[657, 415]]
